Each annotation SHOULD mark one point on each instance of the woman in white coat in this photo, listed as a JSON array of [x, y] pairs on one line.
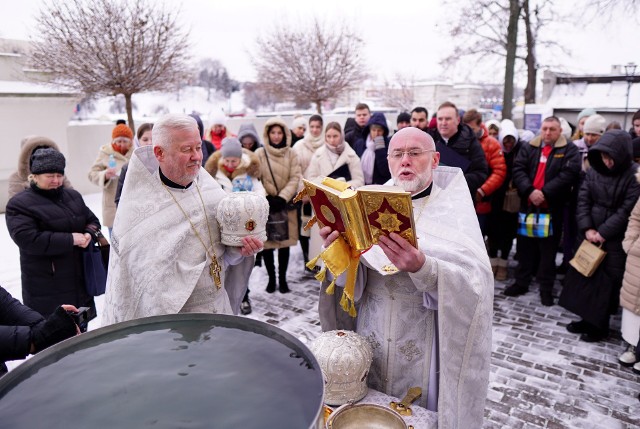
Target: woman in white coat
[[334, 159]]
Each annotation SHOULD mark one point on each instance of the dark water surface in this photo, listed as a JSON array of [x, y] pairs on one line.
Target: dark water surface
[[178, 374]]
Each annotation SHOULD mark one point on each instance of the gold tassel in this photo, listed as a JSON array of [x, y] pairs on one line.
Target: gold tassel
[[332, 287], [321, 275], [311, 222], [352, 310], [344, 303], [300, 195], [312, 263]]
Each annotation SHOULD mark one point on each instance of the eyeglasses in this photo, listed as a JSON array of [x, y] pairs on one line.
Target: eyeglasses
[[413, 153]]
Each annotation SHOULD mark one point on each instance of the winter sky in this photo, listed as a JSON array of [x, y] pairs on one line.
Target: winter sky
[[408, 37]]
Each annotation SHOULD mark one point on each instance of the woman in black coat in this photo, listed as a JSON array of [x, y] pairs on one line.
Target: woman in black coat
[[607, 195], [51, 226]]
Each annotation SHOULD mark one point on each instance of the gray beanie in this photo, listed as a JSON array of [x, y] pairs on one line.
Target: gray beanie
[[231, 147], [586, 112], [47, 160], [595, 124]]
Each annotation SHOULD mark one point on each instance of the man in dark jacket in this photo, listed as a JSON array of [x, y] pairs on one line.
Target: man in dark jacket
[[24, 331], [354, 130], [207, 146], [459, 147], [544, 172]]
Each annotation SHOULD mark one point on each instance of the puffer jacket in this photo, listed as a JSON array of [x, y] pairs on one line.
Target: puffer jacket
[[18, 181], [246, 176], [284, 165], [497, 171], [97, 176], [630, 292], [41, 223], [381, 173]]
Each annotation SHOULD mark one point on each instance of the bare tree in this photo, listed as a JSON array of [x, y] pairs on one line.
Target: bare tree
[[314, 62], [256, 96], [111, 47], [480, 33], [399, 92]]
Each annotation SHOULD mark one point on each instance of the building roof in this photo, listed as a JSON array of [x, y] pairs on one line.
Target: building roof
[[30, 89]]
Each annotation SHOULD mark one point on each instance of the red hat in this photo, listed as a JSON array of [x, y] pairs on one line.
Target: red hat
[[122, 130]]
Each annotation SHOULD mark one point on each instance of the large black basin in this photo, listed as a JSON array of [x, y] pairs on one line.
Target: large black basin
[[178, 371]]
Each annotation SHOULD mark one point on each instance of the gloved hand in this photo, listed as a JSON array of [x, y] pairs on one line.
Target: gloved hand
[[57, 327], [276, 203], [379, 142]]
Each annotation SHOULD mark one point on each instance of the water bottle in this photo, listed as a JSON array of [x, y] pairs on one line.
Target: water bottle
[[112, 163]]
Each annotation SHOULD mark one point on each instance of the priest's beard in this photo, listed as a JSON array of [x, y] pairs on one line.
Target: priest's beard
[[418, 183]]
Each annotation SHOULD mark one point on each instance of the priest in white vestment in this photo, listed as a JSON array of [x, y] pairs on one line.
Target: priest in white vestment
[[429, 323], [166, 256]]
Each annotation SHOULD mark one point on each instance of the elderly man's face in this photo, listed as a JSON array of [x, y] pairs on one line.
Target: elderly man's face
[[413, 170], [182, 160], [447, 120]]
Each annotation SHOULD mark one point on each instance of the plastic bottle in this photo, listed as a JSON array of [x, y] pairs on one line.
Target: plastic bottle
[[112, 164]]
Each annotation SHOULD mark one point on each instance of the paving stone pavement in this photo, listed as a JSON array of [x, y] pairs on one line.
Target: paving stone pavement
[[541, 375]]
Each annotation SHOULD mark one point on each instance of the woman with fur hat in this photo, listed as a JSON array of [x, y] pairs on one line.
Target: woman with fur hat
[[19, 180], [51, 226], [280, 172], [106, 176], [237, 170]]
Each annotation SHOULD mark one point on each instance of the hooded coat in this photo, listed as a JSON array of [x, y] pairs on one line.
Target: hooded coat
[[281, 175], [246, 175], [18, 181], [97, 176], [381, 173], [605, 201], [249, 130]]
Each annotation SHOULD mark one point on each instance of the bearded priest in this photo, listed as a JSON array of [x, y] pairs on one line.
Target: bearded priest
[[426, 311]]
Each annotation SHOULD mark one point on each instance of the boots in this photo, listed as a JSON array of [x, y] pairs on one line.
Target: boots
[[283, 263], [501, 272], [494, 265], [267, 256], [628, 358]]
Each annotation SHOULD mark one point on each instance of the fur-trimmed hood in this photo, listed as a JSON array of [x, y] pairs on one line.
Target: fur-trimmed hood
[[249, 165], [265, 136], [29, 145]]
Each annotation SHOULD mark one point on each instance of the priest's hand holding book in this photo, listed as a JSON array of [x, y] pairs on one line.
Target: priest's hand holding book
[[399, 251]]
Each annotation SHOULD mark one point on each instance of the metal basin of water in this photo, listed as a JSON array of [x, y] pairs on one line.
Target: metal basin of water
[[176, 371]]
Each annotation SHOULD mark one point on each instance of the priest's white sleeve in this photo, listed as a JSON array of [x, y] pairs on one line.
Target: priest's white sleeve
[[426, 280]]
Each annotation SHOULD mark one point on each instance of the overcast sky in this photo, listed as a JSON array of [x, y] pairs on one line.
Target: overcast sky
[[407, 36]]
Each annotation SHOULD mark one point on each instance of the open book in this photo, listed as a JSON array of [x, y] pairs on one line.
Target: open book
[[361, 215]]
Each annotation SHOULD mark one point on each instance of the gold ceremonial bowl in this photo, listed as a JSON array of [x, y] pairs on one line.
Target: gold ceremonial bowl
[[359, 416]]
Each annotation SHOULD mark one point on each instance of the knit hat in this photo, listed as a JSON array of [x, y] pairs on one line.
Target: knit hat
[[122, 130], [403, 117], [586, 112], [231, 147], [595, 124], [566, 128], [299, 122], [218, 118], [47, 160]]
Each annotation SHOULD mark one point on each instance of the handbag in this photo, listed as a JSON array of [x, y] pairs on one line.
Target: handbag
[[511, 203], [587, 258], [278, 221], [536, 225], [95, 272]]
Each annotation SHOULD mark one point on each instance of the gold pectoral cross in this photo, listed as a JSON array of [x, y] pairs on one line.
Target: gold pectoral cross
[[214, 272]]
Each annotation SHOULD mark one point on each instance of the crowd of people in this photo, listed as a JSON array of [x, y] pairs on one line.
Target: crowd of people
[[474, 186]]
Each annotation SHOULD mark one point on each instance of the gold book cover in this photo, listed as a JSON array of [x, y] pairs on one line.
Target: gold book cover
[[362, 215]]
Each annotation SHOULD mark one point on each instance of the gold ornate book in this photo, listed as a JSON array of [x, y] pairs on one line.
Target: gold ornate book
[[361, 215]]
